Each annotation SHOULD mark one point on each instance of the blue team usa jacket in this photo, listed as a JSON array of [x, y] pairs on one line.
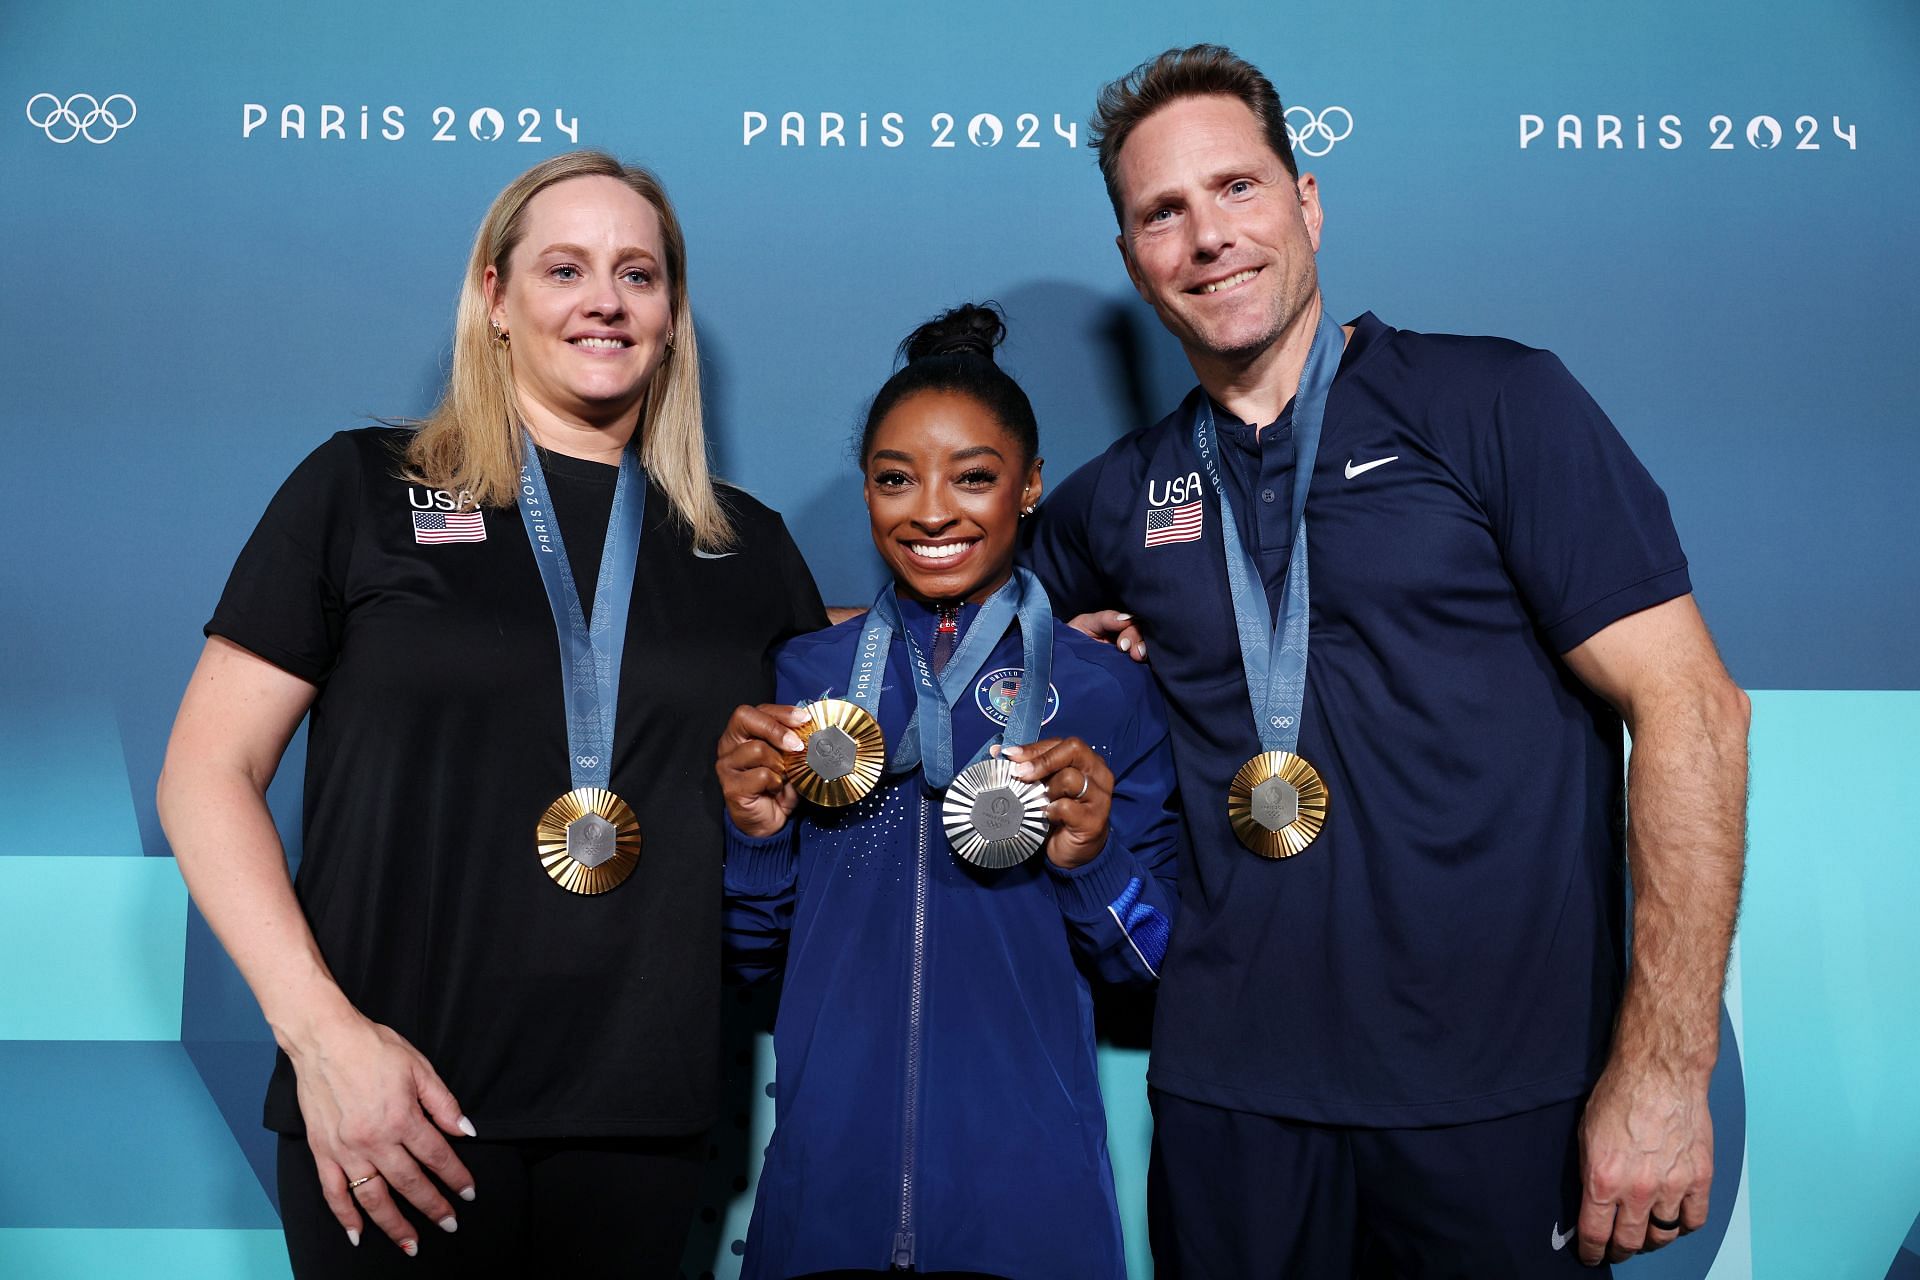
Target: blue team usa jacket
[[936, 1103]]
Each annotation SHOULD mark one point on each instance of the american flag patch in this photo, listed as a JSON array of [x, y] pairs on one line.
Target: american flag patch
[[449, 526], [1173, 524]]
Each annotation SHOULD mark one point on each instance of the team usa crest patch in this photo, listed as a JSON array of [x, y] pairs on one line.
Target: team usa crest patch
[[996, 691]]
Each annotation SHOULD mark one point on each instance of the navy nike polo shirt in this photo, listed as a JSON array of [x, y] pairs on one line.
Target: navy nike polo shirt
[[1451, 948]]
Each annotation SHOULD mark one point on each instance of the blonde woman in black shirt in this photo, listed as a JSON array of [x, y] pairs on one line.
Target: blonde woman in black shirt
[[517, 630]]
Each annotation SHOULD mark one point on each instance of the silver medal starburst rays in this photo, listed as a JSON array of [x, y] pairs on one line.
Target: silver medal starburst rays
[[993, 819]]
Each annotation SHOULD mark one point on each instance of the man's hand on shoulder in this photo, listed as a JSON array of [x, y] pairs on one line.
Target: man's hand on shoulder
[[1110, 626]]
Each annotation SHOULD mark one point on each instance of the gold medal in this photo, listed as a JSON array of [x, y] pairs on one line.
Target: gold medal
[[589, 840], [842, 754], [1277, 804]]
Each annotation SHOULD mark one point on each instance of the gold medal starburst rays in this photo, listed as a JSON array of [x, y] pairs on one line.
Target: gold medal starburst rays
[[551, 839], [851, 768], [1310, 791]]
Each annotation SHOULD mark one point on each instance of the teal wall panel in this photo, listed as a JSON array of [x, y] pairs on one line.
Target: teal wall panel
[[1831, 954], [91, 948], [179, 1253], [119, 1134]]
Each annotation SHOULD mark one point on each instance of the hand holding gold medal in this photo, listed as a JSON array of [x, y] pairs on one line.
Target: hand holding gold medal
[[752, 765], [841, 756]]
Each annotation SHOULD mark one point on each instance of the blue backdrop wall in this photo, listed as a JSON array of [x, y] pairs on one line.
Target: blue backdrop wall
[[230, 230]]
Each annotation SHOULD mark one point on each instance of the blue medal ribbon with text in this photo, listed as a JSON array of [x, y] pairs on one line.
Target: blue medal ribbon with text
[[590, 648], [1274, 653], [1021, 599]]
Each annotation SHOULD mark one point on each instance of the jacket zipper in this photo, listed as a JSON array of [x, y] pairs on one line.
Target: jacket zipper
[[910, 1127]]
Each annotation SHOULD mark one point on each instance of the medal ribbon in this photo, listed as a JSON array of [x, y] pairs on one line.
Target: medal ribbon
[[589, 648], [1274, 653], [1022, 598]]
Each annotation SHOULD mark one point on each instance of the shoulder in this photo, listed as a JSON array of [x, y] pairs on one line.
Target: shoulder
[[346, 464], [1116, 473], [829, 644], [1099, 668], [1461, 367], [748, 513]]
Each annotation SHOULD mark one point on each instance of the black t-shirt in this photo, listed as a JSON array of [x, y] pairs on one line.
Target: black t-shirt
[[437, 740]]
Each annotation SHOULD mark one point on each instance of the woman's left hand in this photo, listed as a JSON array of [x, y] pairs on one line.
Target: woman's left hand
[[1080, 796]]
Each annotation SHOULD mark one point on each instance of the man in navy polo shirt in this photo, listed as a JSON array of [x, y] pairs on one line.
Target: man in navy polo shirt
[[1414, 1046]]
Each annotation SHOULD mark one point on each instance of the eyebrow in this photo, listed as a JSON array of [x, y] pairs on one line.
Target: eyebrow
[[578, 251], [959, 455]]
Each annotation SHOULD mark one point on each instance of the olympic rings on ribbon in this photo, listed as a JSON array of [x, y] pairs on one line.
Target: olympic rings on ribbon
[[1315, 136], [81, 116]]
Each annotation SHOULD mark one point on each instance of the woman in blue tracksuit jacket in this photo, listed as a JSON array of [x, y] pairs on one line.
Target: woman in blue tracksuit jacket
[[937, 1107]]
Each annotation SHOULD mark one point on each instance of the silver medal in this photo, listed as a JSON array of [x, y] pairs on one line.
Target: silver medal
[[993, 819]]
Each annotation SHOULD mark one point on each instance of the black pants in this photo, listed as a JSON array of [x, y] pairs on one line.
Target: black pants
[[1237, 1196], [574, 1207]]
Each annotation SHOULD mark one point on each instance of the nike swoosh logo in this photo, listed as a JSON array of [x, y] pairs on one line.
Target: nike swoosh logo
[[713, 555], [1364, 467], [1560, 1241]]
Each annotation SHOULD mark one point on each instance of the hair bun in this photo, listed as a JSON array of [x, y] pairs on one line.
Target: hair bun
[[973, 329]]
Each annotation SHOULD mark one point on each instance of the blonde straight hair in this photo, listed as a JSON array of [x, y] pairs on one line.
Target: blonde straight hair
[[471, 442]]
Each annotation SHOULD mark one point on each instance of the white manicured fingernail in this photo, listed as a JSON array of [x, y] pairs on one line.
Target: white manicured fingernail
[[410, 1247], [466, 1127], [792, 742], [449, 1224], [353, 1237], [1124, 617], [1125, 644], [466, 1193]]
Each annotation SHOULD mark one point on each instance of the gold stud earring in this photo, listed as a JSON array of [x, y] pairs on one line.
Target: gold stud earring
[[501, 337]]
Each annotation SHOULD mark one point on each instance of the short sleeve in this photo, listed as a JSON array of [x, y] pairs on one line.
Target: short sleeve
[[286, 597], [1057, 547], [805, 612], [1585, 532]]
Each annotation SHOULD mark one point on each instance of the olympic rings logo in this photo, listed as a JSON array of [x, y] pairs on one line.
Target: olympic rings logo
[[1315, 134], [81, 116]]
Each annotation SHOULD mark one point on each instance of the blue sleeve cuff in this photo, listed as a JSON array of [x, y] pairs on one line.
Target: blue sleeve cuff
[[1574, 631], [1087, 891], [759, 865]]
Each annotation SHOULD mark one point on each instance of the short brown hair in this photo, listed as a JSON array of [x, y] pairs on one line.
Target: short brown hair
[[1193, 72]]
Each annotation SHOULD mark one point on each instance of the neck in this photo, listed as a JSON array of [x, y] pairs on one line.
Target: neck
[[1257, 387], [577, 437], [978, 596]]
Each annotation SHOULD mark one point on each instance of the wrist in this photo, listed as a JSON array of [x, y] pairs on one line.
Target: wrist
[[302, 1021], [1073, 858]]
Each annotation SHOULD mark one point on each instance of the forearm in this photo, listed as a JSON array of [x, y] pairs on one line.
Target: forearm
[[223, 838], [1686, 839]]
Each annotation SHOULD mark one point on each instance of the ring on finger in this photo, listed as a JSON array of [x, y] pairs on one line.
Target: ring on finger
[[362, 1181], [1664, 1224], [1085, 782]]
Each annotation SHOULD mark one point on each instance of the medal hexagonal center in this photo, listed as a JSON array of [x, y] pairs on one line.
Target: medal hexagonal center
[[1275, 803], [997, 813], [590, 840], [831, 753]]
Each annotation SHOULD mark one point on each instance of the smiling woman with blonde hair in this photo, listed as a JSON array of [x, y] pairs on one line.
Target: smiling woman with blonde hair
[[518, 628]]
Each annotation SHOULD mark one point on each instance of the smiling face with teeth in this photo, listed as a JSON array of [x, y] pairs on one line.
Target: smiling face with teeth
[[586, 306], [1216, 235], [945, 484]]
